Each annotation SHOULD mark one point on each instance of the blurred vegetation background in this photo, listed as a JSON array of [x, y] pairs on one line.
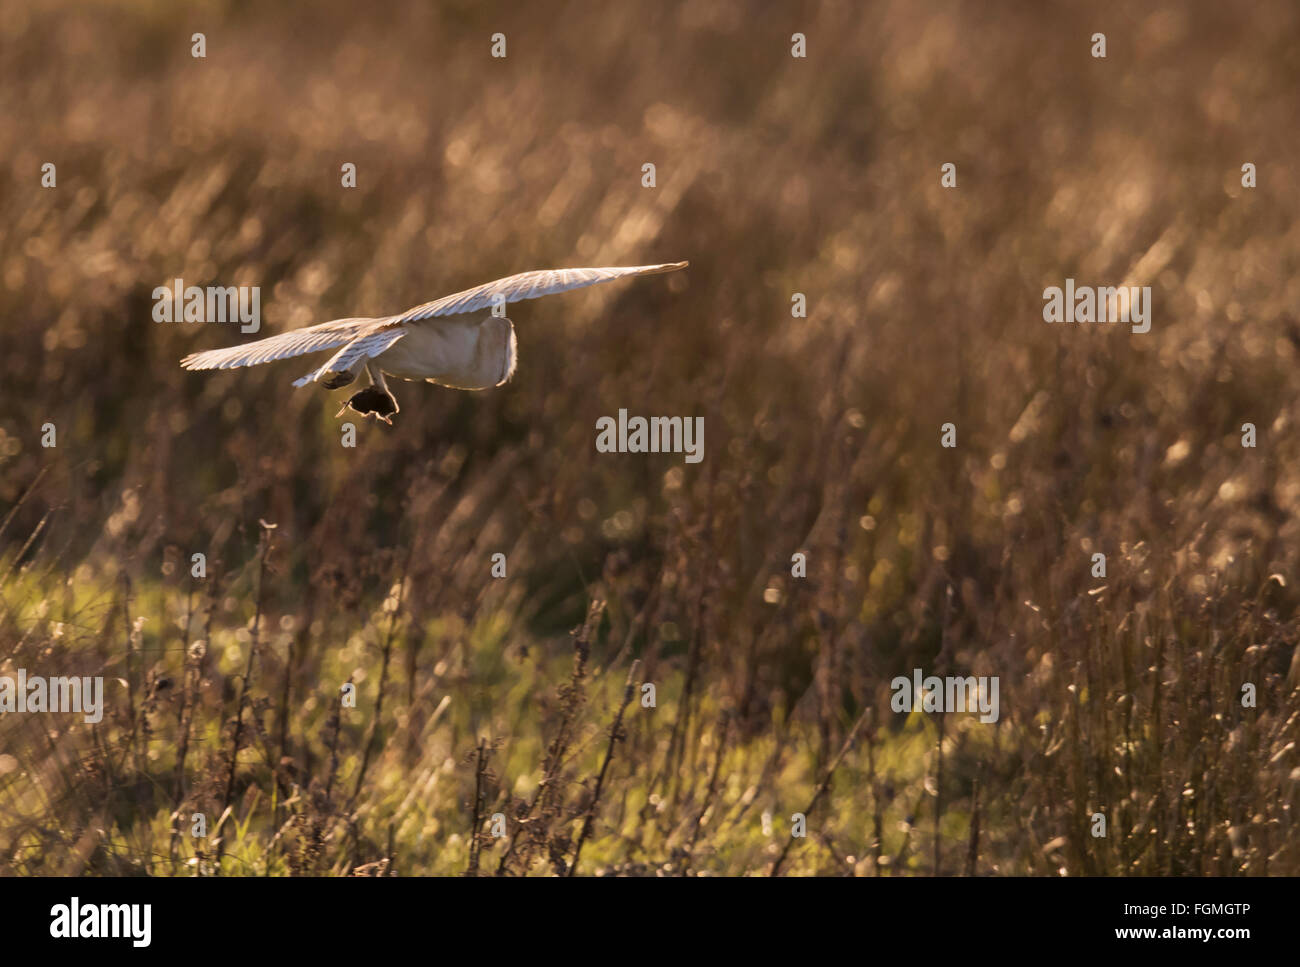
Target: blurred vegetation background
[[775, 175]]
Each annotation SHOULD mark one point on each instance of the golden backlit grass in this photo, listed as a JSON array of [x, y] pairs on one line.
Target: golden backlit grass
[[1119, 695]]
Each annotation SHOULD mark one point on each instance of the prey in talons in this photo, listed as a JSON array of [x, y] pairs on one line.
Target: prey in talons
[[375, 400]]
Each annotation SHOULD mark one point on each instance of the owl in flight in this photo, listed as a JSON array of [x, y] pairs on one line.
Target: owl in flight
[[455, 341]]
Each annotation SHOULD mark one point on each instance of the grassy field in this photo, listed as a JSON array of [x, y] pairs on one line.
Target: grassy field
[[517, 705]]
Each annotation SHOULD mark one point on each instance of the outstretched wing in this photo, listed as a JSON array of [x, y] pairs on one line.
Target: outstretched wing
[[527, 285], [371, 336], [372, 341], [326, 335]]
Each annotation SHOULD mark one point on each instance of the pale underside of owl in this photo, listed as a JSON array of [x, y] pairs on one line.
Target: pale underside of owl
[[463, 341]]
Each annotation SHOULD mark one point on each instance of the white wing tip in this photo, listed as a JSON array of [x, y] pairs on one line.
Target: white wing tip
[[668, 267], [212, 359]]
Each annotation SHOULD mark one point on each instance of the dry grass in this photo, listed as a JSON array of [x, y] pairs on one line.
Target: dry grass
[[775, 176]]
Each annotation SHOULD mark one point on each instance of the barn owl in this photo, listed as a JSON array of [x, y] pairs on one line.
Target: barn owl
[[463, 341]]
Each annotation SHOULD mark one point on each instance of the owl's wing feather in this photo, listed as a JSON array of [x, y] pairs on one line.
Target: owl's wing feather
[[369, 344], [528, 285], [326, 335], [355, 334]]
